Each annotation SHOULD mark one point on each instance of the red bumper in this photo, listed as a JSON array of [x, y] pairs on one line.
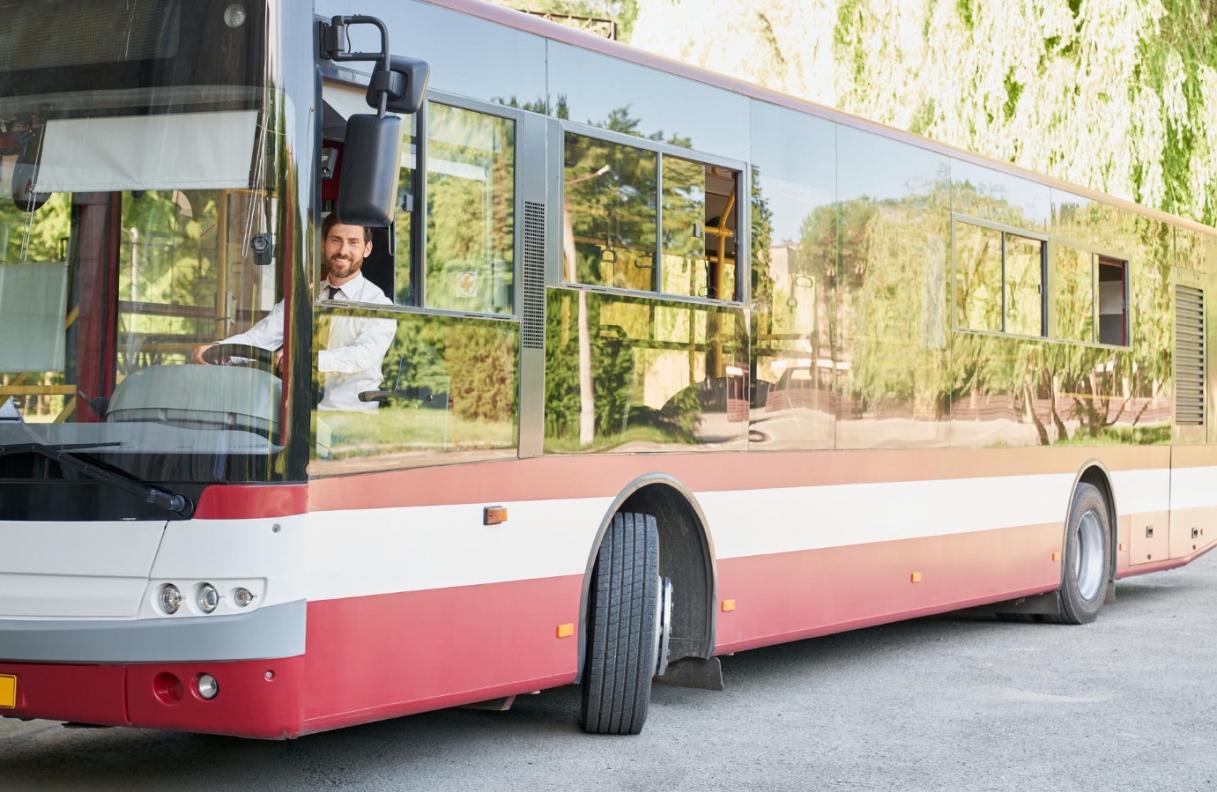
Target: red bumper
[[257, 698]]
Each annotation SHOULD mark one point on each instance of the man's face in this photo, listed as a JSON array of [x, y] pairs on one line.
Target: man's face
[[345, 250]]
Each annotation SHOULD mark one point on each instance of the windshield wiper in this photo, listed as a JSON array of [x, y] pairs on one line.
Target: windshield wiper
[[66, 455]]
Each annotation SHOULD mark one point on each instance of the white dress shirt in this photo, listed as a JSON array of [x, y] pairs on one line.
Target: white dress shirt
[[357, 346]]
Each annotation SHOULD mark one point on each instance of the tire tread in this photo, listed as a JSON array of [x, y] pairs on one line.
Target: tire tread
[[617, 674]]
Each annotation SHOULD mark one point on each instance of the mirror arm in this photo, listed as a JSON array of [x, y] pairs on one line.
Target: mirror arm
[[333, 38]]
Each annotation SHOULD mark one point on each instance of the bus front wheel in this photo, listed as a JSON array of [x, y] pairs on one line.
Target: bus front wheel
[[624, 635]]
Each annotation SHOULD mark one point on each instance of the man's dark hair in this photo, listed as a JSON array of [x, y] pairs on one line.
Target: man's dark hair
[[331, 220]]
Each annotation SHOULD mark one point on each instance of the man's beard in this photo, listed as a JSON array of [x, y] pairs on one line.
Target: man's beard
[[342, 269]]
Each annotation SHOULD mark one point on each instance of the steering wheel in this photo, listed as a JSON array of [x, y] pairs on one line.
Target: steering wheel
[[262, 358]]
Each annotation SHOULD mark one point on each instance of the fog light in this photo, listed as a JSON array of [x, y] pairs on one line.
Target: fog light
[[207, 686], [242, 596], [171, 598], [234, 16], [209, 598]]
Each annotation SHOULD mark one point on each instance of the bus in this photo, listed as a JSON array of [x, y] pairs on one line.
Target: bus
[[632, 366]]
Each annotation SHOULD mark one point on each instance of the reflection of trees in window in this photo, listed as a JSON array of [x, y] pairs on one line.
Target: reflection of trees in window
[[609, 192], [652, 376], [470, 210], [879, 319], [684, 217], [449, 387], [978, 281], [1073, 293], [40, 237], [1024, 266], [169, 282]]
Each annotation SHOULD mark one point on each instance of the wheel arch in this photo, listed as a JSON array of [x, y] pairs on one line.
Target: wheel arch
[[686, 555]]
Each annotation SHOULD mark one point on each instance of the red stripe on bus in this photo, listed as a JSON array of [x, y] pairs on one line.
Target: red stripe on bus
[[789, 596], [251, 501], [369, 658], [605, 475]]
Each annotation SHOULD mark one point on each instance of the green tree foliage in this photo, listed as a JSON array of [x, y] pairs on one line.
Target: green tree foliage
[[1118, 96]]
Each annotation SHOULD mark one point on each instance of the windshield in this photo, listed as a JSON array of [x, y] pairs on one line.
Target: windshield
[[136, 226]]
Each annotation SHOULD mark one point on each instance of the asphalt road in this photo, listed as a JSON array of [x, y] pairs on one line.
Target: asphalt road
[[1129, 702]]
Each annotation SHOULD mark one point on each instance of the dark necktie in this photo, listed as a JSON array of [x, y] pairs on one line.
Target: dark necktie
[[331, 291]]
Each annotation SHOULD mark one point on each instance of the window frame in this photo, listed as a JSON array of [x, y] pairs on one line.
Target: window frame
[[559, 128], [1045, 241], [418, 242], [1096, 252]]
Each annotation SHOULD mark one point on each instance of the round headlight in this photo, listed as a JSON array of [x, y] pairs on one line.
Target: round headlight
[[242, 596], [234, 16], [209, 598], [171, 598], [207, 686]]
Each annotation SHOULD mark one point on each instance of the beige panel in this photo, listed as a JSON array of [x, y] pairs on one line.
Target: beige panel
[[1150, 538], [1192, 530]]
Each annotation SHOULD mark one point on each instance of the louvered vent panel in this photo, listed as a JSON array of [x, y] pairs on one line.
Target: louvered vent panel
[[532, 334], [1189, 356]]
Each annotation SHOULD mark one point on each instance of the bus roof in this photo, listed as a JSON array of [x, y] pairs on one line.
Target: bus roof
[[557, 32]]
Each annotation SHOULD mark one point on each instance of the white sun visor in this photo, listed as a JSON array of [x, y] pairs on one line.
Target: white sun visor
[[186, 151]]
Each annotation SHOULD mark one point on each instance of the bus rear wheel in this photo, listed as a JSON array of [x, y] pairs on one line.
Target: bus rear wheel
[[1084, 570], [626, 631]]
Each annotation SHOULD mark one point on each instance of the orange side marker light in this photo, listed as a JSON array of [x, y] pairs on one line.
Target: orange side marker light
[[728, 606], [1121, 546], [566, 630], [1056, 556], [915, 577], [493, 515]]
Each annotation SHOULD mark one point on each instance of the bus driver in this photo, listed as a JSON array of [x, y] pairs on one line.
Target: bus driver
[[352, 358]]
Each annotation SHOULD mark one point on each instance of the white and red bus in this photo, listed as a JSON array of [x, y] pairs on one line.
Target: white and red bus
[[643, 366]]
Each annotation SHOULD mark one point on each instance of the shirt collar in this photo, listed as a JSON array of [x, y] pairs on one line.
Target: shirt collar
[[350, 288]]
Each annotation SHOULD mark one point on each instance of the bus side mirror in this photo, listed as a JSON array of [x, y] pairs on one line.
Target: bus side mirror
[[367, 190], [404, 84]]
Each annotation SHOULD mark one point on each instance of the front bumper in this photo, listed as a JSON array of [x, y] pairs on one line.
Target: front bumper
[[142, 672], [257, 698]]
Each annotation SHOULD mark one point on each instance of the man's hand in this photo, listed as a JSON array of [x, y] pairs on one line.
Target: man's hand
[[278, 360], [197, 354]]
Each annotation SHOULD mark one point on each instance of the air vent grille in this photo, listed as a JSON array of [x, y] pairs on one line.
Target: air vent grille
[[1189, 356], [532, 334]]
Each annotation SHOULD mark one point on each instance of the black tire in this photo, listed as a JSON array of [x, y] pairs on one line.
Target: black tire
[[1076, 607], [621, 627]]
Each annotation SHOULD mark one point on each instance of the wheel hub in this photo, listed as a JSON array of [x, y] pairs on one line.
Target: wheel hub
[[1088, 556], [663, 625]]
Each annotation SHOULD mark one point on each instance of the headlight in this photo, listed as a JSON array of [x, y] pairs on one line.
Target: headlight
[[209, 598], [171, 598]]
